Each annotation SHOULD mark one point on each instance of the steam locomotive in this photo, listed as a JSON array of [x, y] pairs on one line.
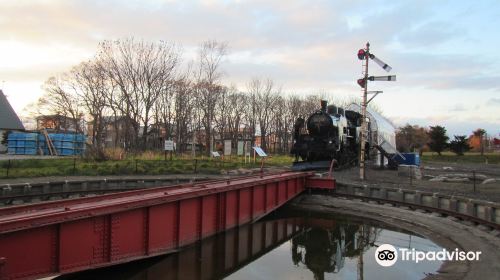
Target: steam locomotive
[[329, 133]]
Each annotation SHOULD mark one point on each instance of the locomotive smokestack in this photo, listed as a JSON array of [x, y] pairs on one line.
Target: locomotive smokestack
[[323, 105]]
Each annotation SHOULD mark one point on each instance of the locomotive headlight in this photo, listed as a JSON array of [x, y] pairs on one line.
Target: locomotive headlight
[[330, 142]]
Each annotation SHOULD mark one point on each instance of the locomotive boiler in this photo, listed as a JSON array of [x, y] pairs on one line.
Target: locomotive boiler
[[330, 133]]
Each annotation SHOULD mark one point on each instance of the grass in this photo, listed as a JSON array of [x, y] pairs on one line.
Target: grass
[[471, 157], [154, 164], [144, 165]]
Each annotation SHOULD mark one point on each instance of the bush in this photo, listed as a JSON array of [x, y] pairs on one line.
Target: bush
[[150, 155], [115, 153], [95, 154]]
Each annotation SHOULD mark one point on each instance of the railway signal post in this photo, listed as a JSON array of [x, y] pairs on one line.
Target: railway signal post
[[364, 55]]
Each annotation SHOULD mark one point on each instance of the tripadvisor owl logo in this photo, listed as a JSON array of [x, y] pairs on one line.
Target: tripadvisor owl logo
[[386, 255]]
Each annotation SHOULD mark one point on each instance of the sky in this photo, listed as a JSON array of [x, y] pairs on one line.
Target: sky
[[444, 53]]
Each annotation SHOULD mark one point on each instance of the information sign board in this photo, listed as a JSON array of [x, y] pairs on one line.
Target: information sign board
[[227, 147], [215, 154], [241, 144], [260, 152], [169, 145]]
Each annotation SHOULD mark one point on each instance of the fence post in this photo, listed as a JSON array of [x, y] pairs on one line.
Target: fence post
[[8, 167], [195, 165], [136, 166], [411, 175], [474, 179], [74, 165]]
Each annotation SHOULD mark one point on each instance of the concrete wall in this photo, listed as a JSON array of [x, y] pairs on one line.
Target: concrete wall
[[484, 210]]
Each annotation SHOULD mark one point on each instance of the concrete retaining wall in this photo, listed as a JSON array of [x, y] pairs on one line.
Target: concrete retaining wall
[[485, 210]]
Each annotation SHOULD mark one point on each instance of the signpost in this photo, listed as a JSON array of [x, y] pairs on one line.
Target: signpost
[[217, 158], [260, 152], [262, 156], [215, 154], [169, 146]]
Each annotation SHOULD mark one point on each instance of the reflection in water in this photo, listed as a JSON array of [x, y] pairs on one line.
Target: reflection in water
[[324, 249], [285, 248]]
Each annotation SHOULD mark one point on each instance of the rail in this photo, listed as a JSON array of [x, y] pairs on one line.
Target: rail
[[15, 194]]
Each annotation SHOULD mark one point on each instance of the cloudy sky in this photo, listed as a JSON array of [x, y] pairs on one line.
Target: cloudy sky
[[444, 53]]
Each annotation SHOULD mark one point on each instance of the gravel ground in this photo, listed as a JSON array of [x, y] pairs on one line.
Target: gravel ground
[[458, 179]]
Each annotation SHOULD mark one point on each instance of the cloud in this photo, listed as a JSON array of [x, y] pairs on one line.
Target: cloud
[[458, 108], [429, 34], [302, 45], [493, 102]]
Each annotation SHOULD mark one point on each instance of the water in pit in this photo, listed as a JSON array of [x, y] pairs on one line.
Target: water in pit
[[283, 247]]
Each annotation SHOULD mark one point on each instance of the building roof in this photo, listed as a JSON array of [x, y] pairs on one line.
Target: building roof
[[8, 118]]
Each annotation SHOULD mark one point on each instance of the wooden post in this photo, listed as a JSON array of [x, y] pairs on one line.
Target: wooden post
[[474, 179]]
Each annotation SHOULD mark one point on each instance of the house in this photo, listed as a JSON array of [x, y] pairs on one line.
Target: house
[[157, 133], [58, 123], [118, 131], [8, 120]]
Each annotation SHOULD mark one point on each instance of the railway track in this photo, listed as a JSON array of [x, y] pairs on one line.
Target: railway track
[[18, 194], [467, 210], [477, 212]]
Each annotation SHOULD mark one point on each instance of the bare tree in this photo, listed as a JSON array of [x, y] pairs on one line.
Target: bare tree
[[118, 59], [251, 110], [293, 110], [264, 97], [207, 88], [142, 72], [157, 63], [238, 104], [221, 112], [183, 107], [60, 98], [91, 85]]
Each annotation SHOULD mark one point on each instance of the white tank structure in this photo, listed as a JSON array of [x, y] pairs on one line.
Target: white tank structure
[[382, 133]]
